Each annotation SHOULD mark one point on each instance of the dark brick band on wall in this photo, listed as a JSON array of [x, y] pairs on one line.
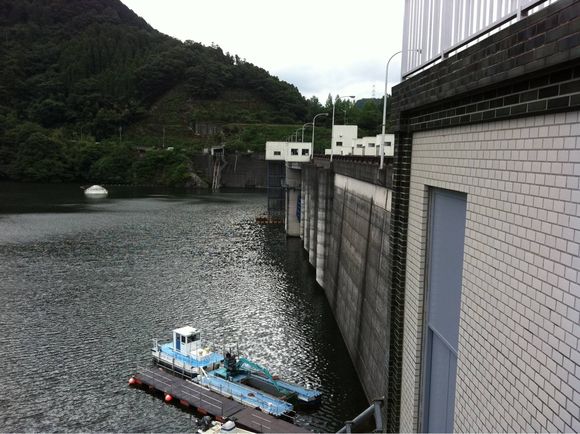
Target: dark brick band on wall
[[538, 93], [398, 243]]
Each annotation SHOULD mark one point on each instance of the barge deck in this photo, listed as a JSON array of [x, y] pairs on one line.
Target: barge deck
[[205, 401]]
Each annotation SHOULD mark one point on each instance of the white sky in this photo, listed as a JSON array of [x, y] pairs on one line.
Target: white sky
[[321, 46]]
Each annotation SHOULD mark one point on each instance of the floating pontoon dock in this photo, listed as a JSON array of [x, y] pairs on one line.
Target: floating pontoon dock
[[205, 401]]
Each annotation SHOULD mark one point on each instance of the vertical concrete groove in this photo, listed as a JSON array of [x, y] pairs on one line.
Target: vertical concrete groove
[[302, 205], [313, 224], [338, 254], [363, 286], [305, 210], [321, 239]]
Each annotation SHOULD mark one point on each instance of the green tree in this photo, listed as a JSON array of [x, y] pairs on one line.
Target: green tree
[[39, 158], [370, 117], [114, 167], [48, 113]]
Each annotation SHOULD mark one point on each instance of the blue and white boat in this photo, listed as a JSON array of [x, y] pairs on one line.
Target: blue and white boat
[[242, 380], [187, 353]]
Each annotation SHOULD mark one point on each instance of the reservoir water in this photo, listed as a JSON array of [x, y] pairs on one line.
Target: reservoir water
[[86, 284]]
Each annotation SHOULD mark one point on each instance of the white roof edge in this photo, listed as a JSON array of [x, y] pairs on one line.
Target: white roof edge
[[186, 331]]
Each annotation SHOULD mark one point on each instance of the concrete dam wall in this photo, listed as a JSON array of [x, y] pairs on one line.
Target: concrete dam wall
[[240, 171], [345, 226]]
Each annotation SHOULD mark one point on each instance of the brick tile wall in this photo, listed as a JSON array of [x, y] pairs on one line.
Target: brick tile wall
[[519, 348]]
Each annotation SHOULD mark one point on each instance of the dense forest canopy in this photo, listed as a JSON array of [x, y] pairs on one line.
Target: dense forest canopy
[[84, 81]]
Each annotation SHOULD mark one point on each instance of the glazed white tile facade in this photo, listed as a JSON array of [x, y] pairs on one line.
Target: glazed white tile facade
[[519, 351]]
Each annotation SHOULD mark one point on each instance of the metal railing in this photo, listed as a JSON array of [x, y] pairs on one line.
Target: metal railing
[[440, 28], [373, 413]]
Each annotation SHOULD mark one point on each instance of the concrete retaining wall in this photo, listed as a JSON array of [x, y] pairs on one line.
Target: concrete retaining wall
[[346, 235]]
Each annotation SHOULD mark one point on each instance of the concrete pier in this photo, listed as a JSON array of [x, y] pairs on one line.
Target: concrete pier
[[325, 196], [312, 214], [293, 186]]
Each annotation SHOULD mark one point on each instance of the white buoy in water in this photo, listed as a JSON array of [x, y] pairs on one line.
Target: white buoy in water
[[96, 191]]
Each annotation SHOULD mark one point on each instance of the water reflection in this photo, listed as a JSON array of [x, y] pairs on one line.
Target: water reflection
[[85, 286]]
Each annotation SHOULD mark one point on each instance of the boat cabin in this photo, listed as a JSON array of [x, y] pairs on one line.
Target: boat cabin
[[186, 340]]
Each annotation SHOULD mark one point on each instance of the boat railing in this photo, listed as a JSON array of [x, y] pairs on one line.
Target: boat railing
[[208, 346]]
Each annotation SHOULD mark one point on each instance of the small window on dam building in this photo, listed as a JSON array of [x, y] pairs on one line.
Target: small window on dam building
[[276, 152], [338, 143], [305, 151], [293, 151]]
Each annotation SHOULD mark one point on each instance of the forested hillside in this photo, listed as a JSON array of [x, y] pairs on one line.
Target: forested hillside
[[83, 82]]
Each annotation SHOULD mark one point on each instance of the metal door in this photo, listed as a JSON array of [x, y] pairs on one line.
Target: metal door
[[446, 237]]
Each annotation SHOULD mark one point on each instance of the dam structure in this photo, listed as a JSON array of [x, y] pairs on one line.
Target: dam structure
[[346, 224], [453, 269], [343, 212]]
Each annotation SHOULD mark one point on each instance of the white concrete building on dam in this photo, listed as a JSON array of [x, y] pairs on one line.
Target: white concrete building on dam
[[345, 141]]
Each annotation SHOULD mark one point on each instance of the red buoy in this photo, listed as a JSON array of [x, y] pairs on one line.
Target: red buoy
[[168, 397], [132, 381]]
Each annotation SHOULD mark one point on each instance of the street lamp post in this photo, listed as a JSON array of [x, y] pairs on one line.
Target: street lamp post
[[313, 125], [332, 130], [382, 151], [296, 134], [303, 126]]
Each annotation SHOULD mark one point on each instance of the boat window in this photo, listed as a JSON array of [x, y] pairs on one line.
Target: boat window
[[182, 339], [196, 337]]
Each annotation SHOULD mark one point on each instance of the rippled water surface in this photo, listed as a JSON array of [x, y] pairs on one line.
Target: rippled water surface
[[85, 285]]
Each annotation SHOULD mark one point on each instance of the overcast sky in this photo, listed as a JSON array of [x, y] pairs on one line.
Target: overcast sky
[[321, 46]]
